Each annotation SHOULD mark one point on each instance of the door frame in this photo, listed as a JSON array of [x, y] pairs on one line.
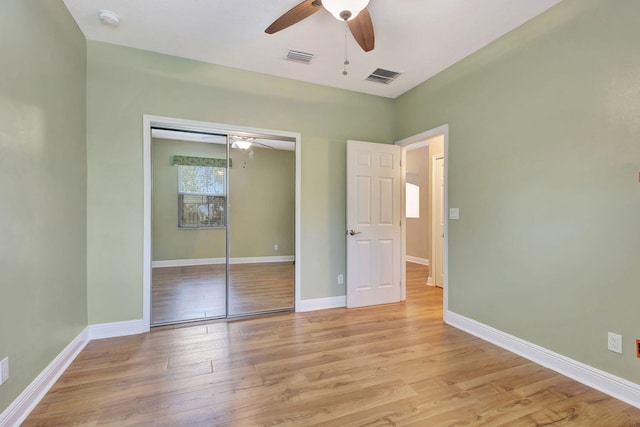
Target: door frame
[[433, 160], [152, 120], [440, 130]]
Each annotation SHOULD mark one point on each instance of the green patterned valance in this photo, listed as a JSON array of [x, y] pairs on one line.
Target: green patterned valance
[[199, 161]]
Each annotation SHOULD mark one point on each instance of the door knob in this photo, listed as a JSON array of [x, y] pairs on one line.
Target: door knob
[[353, 232]]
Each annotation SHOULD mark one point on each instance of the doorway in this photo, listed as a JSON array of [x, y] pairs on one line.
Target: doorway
[[425, 231], [221, 219]]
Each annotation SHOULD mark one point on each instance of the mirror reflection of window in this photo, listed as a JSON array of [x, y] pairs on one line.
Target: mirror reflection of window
[[201, 196]]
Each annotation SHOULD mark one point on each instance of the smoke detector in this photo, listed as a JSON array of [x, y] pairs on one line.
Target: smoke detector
[[108, 17]]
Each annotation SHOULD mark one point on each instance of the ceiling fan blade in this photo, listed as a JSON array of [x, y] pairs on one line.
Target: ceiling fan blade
[[362, 29], [260, 144], [295, 15]]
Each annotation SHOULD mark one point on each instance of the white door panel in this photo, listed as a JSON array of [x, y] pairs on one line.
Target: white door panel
[[373, 223]]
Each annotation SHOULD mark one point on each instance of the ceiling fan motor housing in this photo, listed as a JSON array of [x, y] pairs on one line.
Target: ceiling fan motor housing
[[345, 10]]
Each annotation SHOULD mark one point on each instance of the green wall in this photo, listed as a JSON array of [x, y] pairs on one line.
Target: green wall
[[544, 154], [262, 204], [262, 191], [123, 84], [43, 300]]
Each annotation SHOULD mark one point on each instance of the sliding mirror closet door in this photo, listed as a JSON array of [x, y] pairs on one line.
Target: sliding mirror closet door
[[261, 225], [189, 219]]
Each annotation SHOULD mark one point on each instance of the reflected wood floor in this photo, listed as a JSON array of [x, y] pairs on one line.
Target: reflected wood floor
[[198, 292], [391, 365]]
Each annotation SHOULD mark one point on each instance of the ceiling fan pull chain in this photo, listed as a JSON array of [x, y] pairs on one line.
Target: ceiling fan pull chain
[[346, 58]]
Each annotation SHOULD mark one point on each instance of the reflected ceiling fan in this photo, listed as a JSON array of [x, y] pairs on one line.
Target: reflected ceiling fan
[[353, 12], [245, 142]]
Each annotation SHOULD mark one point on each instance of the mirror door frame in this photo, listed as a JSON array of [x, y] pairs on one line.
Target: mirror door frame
[[150, 121]]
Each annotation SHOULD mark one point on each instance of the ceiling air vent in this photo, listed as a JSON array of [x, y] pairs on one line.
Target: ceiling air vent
[[382, 76], [298, 56]]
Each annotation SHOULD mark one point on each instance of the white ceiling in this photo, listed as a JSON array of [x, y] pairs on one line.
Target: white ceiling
[[418, 38]]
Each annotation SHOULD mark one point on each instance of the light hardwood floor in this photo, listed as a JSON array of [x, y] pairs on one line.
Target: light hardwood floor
[[199, 292], [391, 365]]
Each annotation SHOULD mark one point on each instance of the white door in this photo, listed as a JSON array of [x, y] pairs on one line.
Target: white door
[[373, 224], [438, 219]]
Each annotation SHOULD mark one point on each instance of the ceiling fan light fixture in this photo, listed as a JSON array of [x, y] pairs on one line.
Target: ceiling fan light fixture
[[345, 10], [242, 142]]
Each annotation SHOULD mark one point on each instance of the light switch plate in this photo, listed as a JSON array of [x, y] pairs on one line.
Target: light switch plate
[[454, 213]]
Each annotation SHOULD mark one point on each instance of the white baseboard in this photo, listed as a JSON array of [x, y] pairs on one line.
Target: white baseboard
[[117, 329], [416, 260], [187, 262], [22, 406], [430, 281], [212, 261], [605, 382], [322, 303], [261, 259]]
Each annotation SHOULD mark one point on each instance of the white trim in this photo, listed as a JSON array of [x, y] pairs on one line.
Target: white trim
[[146, 219], [187, 262], [433, 181], [151, 120], [22, 406], [430, 281], [213, 261], [322, 303], [416, 145], [422, 136], [403, 223], [298, 226], [261, 259], [445, 249], [605, 382], [117, 329], [416, 260]]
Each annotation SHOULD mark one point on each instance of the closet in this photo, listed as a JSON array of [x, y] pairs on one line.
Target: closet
[[222, 224]]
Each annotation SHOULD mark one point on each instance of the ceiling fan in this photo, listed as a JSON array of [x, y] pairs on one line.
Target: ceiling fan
[[353, 12]]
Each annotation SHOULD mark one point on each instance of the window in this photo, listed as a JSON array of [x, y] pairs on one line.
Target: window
[[201, 196], [412, 198]]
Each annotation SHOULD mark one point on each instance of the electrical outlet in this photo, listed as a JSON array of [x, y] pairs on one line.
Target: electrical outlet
[[614, 342], [4, 370], [275, 247], [340, 279]]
